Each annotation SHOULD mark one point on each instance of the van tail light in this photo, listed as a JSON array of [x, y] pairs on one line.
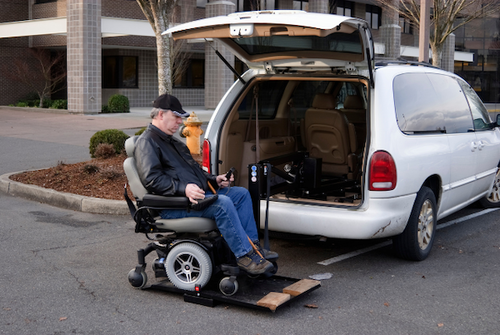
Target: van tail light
[[206, 156], [383, 176]]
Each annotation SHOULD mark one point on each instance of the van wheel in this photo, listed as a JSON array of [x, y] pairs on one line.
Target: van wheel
[[415, 242], [493, 200], [188, 266]]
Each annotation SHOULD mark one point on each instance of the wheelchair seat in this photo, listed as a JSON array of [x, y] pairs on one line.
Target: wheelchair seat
[[155, 203]]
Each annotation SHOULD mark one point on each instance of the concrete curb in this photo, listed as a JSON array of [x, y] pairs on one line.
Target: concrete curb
[[62, 199]]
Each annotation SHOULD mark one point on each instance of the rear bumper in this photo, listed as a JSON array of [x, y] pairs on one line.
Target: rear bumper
[[380, 218]]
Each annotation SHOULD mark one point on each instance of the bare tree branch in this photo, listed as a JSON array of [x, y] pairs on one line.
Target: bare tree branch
[[446, 17], [42, 75]]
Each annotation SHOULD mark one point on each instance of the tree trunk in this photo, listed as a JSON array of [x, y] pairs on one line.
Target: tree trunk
[[159, 14], [164, 64], [437, 54]]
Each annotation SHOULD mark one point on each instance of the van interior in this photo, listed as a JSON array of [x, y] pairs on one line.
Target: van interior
[[313, 130]]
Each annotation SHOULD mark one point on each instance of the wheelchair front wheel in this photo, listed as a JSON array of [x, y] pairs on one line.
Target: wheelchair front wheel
[[137, 279], [187, 266]]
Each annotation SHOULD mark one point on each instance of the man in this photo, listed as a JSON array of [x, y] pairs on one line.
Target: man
[[166, 167]]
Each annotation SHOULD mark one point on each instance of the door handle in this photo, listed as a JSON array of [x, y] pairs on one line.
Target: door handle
[[480, 145], [473, 146]]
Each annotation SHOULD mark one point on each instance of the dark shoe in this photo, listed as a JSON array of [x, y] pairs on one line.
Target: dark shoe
[[254, 264], [268, 254]]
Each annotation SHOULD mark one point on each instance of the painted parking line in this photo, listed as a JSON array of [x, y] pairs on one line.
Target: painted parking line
[[386, 243]]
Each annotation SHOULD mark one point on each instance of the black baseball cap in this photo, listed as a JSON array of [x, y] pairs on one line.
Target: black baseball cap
[[167, 101]]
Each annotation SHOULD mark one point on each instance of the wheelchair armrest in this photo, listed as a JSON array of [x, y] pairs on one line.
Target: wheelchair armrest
[[153, 200]]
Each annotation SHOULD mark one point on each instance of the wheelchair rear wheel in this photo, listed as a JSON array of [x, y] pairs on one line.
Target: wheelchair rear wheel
[[187, 266]]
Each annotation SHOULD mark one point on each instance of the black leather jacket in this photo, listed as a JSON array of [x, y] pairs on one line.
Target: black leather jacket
[[165, 165]]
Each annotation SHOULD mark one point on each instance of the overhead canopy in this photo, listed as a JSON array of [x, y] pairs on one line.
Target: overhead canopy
[[110, 27]]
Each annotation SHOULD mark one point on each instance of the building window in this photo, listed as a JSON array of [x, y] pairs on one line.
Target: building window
[[252, 5], [301, 5], [44, 1], [373, 16], [193, 76], [345, 8], [405, 25], [120, 72], [201, 3]]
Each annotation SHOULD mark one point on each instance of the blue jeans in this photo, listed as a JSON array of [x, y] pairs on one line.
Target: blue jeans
[[233, 214]]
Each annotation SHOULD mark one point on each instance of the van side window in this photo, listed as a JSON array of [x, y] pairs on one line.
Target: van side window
[[479, 113], [303, 96], [346, 89], [430, 103], [269, 95], [452, 102]]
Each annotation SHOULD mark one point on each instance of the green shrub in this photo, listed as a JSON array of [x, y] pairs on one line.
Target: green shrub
[[46, 103], [111, 136], [118, 103], [104, 109], [140, 131], [59, 104]]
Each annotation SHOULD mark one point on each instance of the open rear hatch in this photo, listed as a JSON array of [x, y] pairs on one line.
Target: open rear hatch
[[297, 55], [288, 40]]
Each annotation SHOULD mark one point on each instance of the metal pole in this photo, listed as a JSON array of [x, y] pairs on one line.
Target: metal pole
[[423, 40]]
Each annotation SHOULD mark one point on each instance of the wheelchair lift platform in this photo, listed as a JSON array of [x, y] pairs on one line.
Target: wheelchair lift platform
[[267, 294]]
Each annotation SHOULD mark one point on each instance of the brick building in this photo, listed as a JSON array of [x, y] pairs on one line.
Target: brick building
[[110, 47]]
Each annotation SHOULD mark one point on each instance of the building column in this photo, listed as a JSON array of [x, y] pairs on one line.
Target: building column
[[390, 33], [187, 10], [218, 77], [84, 56], [448, 56], [285, 4], [319, 6]]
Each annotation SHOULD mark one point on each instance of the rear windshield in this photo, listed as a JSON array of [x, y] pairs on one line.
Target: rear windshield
[[337, 42]]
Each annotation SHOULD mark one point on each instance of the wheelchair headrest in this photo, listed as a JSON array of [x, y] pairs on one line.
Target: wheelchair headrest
[[130, 145], [131, 170]]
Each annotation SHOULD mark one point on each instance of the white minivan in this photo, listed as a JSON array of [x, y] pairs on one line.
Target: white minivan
[[358, 150]]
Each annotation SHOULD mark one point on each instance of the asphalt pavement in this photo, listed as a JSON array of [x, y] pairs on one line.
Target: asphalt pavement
[[65, 271]]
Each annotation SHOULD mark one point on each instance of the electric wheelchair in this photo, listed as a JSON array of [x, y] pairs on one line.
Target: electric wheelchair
[[191, 252]]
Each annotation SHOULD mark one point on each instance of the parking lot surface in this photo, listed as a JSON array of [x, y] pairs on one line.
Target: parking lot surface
[[65, 272]]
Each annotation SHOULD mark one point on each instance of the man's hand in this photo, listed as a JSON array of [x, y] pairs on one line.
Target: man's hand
[[193, 192], [223, 182]]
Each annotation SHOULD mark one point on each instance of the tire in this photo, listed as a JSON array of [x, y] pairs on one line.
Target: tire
[[228, 287], [137, 279], [493, 200], [188, 266], [415, 242]]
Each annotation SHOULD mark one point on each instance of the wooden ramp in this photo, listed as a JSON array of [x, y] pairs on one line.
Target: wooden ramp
[[275, 299], [261, 293]]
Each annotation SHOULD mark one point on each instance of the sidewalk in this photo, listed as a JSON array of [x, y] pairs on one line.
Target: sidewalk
[[36, 138]]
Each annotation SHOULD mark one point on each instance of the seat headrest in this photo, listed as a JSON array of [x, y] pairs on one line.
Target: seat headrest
[[130, 145], [353, 102], [324, 101]]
